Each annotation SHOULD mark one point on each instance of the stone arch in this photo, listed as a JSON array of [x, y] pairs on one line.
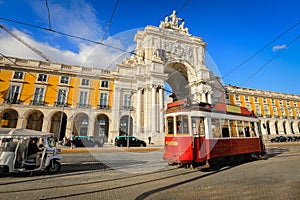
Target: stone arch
[[58, 122], [35, 119], [9, 118], [126, 123], [276, 127], [284, 127], [178, 79], [101, 127], [268, 127], [80, 124], [292, 128]]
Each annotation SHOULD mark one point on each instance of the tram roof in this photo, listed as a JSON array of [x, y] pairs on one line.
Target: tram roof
[[183, 104], [22, 132]]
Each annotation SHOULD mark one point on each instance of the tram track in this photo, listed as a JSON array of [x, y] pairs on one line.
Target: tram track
[[73, 176], [161, 178]]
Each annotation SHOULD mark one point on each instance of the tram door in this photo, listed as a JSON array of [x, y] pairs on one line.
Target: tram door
[[198, 132]]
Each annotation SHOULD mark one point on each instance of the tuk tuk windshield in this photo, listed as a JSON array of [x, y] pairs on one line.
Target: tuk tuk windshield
[[8, 144], [51, 142]]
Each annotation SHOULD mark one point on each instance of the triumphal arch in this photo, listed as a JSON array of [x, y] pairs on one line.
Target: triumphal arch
[[166, 59]]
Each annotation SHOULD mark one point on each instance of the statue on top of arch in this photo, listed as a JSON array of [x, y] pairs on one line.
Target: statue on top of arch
[[172, 22]]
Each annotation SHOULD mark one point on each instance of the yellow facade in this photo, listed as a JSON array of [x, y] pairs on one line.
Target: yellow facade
[[43, 91], [279, 113]]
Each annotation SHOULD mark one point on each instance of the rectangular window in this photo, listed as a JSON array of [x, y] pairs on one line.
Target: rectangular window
[[38, 96], [247, 129], [18, 75], [225, 128], [252, 129], [237, 97], [127, 101], [246, 98], [104, 84], [42, 77], [103, 100], [233, 128], [198, 126], [13, 94], [182, 124], [215, 128], [61, 97], [240, 128], [83, 99], [170, 125], [64, 80], [255, 99], [85, 82]]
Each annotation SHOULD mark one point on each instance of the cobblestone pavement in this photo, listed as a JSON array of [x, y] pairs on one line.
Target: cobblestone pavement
[[277, 176]]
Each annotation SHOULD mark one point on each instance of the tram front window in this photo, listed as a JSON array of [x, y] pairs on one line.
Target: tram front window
[[182, 124], [170, 125]]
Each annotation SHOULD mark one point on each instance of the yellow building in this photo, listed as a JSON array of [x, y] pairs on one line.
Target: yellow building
[[55, 98], [279, 113]]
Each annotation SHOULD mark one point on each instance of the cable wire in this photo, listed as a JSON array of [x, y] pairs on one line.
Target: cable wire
[[183, 6], [49, 18], [110, 20], [260, 50], [269, 61]]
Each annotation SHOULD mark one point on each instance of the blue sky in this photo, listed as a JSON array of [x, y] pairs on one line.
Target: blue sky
[[232, 29]]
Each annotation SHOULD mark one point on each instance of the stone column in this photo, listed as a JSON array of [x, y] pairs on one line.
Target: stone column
[[153, 111], [21, 122], [69, 127], [115, 115], [138, 110], [161, 109], [45, 124]]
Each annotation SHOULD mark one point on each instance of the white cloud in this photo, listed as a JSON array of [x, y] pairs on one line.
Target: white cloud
[[76, 17], [100, 56], [279, 47]]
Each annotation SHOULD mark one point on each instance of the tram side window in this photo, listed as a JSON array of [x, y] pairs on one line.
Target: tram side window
[[182, 124], [247, 129], [252, 129], [233, 128], [225, 128], [215, 126], [170, 125], [198, 126], [240, 128]]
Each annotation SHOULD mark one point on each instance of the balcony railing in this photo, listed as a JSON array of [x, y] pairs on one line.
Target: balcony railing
[[82, 105], [12, 101], [61, 104], [103, 107], [37, 103], [131, 108]]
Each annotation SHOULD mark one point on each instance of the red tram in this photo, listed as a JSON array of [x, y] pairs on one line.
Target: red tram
[[197, 134]]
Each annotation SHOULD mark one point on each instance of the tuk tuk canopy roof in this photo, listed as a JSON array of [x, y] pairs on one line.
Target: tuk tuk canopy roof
[[22, 132]]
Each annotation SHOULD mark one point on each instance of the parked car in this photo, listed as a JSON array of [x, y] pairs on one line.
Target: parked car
[[121, 141], [278, 139], [86, 141]]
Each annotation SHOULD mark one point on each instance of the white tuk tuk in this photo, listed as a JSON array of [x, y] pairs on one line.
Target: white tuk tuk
[[15, 150]]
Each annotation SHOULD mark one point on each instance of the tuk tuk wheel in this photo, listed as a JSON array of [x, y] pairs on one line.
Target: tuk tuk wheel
[[53, 167]]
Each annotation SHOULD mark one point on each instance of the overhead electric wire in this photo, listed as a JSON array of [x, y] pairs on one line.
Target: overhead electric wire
[[264, 65], [110, 20], [260, 50], [183, 6], [49, 18]]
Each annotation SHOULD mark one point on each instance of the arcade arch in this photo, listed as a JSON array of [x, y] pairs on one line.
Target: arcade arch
[[124, 122], [101, 127], [80, 124], [35, 120], [58, 125], [9, 118]]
